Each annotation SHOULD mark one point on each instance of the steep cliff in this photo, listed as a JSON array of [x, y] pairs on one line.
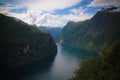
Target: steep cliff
[[21, 43], [97, 34], [54, 31]]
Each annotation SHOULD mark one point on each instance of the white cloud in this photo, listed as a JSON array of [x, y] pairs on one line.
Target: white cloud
[[35, 18], [78, 11], [36, 12], [76, 18], [77, 15], [48, 5], [47, 19], [95, 3]]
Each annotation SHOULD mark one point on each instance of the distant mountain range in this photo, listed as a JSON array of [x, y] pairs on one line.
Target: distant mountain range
[[97, 34], [54, 31], [22, 44]]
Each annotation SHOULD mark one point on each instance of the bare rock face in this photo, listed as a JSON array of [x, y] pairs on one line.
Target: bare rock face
[[22, 44]]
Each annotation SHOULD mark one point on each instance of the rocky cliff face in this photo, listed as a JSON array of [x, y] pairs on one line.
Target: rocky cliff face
[[22, 44], [95, 34]]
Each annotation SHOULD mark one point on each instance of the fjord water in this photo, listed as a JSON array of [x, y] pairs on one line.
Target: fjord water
[[59, 67]]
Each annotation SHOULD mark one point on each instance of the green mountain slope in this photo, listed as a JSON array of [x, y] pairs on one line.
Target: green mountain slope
[[101, 34], [21, 43], [54, 31], [106, 67], [96, 34]]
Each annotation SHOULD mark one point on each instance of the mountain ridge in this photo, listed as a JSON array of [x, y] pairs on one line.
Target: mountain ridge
[[96, 34], [22, 43], [54, 31]]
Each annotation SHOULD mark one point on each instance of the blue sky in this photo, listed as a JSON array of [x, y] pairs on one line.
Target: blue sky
[[55, 13]]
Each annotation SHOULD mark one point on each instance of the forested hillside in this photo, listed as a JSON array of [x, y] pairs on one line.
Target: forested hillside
[[96, 34], [21, 43], [100, 34], [54, 31], [106, 67]]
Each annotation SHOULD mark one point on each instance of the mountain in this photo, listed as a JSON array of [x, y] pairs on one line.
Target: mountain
[[22, 44], [101, 34], [97, 34], [54, 31], [105, 67]]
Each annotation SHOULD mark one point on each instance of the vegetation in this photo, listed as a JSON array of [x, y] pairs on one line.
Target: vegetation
[[54, 31], [106, 67], [21, 43], [96, 34]]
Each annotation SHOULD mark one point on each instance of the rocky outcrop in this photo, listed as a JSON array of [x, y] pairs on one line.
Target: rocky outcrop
[[22, 44]]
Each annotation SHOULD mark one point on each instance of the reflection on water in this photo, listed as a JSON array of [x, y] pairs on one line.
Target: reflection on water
[[59, 67]]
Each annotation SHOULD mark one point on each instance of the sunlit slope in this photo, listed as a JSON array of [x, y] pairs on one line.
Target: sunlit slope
[[95, 34]]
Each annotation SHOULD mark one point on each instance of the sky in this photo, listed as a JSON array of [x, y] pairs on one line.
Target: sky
[[53, 13]]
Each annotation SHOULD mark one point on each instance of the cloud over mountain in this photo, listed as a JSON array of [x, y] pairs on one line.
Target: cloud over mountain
[[52, 12], [104, 3]]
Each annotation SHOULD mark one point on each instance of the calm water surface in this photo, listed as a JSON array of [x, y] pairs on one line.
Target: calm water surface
[[60, 67]]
